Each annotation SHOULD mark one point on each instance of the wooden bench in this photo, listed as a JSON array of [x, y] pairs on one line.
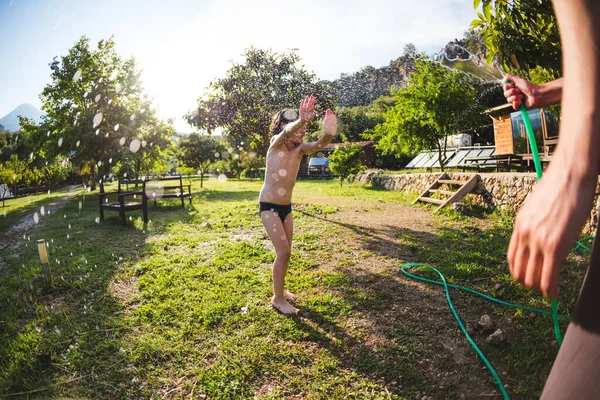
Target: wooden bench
[[123, 204], [157, 190]]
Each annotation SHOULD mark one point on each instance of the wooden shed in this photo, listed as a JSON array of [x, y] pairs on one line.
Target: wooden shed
[[510, 136]]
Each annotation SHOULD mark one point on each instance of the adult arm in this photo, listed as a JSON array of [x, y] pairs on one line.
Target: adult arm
[[551, 218], [536, 96]]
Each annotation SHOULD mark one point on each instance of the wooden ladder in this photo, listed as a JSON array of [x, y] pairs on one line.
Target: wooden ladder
[[449, 194]]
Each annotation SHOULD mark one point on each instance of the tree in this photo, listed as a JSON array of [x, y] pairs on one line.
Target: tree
[[252, 165], [437, 102], [17, 167], [146, 153], [199, 152], [520, 35], [243, 102], [5, 178], [94, 106], [346, 160]]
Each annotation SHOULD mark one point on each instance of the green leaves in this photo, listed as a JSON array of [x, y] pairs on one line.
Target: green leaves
[[96, 107], [437, 102], [345, 160], [520, 35], [243, 102]]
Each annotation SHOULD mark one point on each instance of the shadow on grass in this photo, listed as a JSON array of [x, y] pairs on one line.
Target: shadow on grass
[[413, 326]]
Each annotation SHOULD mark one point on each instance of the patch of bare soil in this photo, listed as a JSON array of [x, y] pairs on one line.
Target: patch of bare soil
[[413, 314], [8, 238]]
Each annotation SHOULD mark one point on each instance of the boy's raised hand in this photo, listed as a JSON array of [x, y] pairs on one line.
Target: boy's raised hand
[[330, 123], [307, 109]]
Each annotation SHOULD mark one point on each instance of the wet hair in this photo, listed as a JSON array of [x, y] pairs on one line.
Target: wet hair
[[281, 119]]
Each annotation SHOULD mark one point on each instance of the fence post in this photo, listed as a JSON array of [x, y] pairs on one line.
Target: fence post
[[44, 260]]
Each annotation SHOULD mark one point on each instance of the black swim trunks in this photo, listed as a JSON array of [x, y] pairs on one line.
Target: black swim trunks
[[282, 211]]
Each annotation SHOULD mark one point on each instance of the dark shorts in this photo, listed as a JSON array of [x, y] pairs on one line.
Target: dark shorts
[[282, 211]]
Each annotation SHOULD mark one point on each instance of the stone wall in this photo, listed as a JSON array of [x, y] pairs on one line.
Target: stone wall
[[504, 190]]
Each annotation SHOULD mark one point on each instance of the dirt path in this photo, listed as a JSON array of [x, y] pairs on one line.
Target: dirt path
[[417, 314], [12, 234]]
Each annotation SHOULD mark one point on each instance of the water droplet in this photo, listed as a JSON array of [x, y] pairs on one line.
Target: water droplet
[[267, 216], [36, 218], [97, 120], [132, 117], [69, 224], [42, 211], [109, 101], [134, 146], [78, 143], [130, 218], [281, 191], [97, 98], [116, 128], [125, 175], [97, 221], [283, 238], [282, 172], [122, 141], [85, 95], [77, 76], [99, 163], [69, 237], [114, 74], [110, 160], [280, 154], [31, 156], [60, 142], [274, 175], [80, 205], [222, 178], [217, 155], [48, 134]]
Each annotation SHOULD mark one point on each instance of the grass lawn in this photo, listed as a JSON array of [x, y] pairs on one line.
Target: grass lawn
[[179, 308]]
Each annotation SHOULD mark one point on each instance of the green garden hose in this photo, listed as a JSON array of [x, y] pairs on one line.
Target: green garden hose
[[446, 285], [538, 171], [555, 316]]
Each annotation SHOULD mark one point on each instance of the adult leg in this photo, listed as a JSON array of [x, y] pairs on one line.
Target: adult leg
[[276, 232]]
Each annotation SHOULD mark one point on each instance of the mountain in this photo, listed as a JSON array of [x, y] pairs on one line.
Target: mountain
[[11, 120], [363, 87]]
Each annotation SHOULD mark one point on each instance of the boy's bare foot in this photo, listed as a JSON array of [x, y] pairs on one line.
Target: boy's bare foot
[[284, 307], [289, 296]]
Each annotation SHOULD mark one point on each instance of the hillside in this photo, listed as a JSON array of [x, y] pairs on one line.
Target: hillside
[[363, 87]]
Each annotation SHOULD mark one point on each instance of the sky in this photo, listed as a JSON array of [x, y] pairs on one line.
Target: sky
[[182, 45]]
